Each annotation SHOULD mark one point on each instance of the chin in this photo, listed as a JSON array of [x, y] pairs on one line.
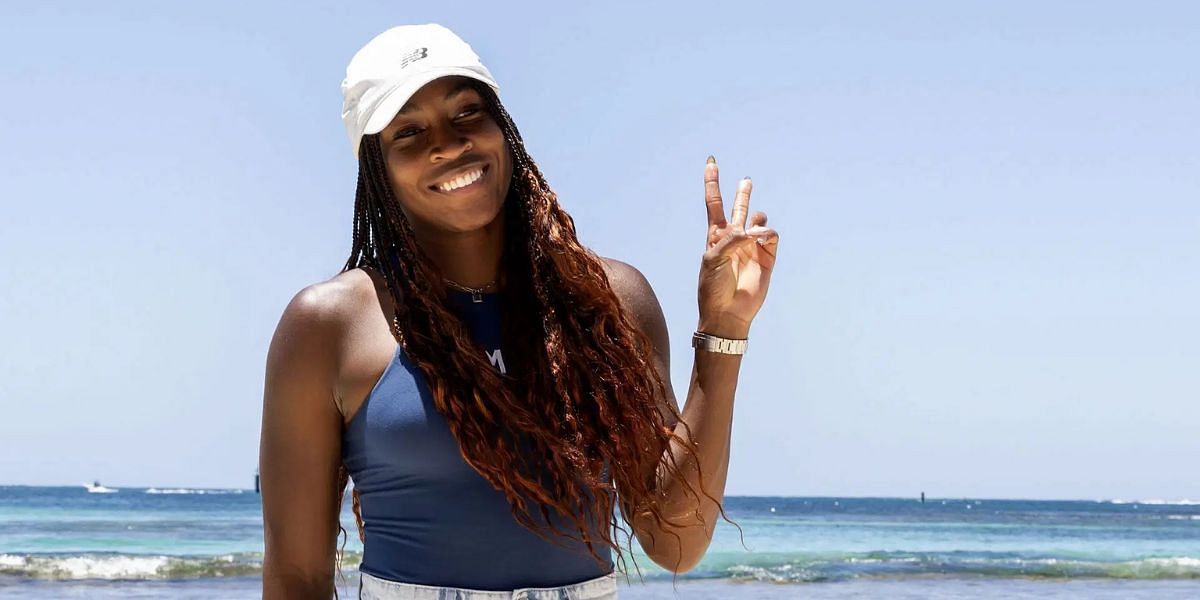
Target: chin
[[473, 220]]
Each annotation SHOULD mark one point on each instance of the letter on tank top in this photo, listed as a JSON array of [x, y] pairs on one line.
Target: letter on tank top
[[428, 517]]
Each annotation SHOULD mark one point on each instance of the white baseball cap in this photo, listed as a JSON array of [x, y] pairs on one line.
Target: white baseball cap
[[387, 71]]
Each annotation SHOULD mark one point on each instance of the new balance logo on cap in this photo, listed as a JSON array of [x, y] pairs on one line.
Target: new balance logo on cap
[[414, 56]]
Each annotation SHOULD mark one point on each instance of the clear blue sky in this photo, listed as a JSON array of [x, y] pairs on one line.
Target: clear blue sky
[[989, 272]]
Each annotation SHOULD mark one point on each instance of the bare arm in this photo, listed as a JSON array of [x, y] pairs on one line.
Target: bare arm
[[735, 273], [709, 414], [300, 451]]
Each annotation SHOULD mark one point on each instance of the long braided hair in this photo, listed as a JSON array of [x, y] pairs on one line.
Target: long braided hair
[[576, 416]]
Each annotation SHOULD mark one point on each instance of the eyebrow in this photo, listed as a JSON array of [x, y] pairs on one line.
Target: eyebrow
[[460, 88]]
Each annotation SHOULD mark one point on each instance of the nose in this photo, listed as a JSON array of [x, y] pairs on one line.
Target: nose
[[448, 144]]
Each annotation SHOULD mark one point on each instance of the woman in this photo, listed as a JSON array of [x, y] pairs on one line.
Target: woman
[[493, 388]]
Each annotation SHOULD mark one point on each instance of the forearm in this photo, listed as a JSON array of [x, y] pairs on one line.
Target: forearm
[[708, 415], [707, 425]]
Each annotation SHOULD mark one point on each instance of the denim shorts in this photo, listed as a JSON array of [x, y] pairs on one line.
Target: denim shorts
[[375, 588]]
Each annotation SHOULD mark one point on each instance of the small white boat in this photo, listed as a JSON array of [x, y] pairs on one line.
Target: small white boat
[[96, 488]]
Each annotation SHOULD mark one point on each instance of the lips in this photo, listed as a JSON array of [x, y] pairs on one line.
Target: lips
[[457, 174]]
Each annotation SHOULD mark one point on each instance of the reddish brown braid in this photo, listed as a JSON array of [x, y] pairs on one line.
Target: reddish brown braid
[[577, 416]]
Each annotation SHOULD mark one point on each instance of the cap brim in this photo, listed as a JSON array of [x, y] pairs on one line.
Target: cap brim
[[395, 99]]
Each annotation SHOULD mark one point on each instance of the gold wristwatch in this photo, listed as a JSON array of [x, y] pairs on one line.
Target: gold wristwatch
[[712, 343]]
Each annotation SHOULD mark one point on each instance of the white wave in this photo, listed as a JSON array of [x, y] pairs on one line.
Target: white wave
[[84, 567], [1184, 517], [120, 566], [191, 491], [892, 559], [779, 574], [1179, 561]]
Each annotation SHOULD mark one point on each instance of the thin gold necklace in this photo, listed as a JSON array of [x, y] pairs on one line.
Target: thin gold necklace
[[476, 293]]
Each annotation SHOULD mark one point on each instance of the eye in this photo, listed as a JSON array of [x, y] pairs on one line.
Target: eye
[[408, 132]]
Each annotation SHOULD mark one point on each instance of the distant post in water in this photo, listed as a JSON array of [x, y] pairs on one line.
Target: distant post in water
[[256, 487]]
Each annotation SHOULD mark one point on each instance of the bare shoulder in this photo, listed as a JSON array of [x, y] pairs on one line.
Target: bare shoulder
[[631, 287], [342, 291], [304, 354], [642, 306], [317, 321], [330, 302], [637, 297]]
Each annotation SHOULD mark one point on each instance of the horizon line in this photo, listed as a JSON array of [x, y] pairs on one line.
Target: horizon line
[[917, 497]]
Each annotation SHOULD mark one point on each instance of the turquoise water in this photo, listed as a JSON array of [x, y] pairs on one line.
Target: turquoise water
[[183, 542]]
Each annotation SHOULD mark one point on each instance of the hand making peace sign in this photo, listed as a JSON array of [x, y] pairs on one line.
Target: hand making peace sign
[[738, 259]]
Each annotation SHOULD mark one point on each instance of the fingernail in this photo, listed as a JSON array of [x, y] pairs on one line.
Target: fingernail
[[711, 160], [747, 178]]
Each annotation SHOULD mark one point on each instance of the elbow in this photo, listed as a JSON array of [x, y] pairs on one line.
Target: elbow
[[280, 584], [676, 545], [679, 558], [679, 563], [281, 589]]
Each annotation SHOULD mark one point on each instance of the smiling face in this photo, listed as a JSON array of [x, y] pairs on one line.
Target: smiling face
[[447, 160]]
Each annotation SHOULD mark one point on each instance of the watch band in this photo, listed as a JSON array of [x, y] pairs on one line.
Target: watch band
[[712, 343]]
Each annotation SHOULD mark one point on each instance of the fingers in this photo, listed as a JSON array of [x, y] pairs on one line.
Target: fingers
[[765, 237], [712, 194], [720, 252], [757, 218], [741, 203]]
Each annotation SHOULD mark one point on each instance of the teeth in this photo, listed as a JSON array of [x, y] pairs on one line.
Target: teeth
[[461, 181]]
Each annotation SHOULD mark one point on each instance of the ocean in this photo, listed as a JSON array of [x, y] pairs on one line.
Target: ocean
[[63, 542]]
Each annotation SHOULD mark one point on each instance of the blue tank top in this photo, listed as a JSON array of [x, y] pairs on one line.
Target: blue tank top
[[428, 517]]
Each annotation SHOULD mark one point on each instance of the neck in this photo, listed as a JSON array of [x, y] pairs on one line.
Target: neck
[[468, 258]]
